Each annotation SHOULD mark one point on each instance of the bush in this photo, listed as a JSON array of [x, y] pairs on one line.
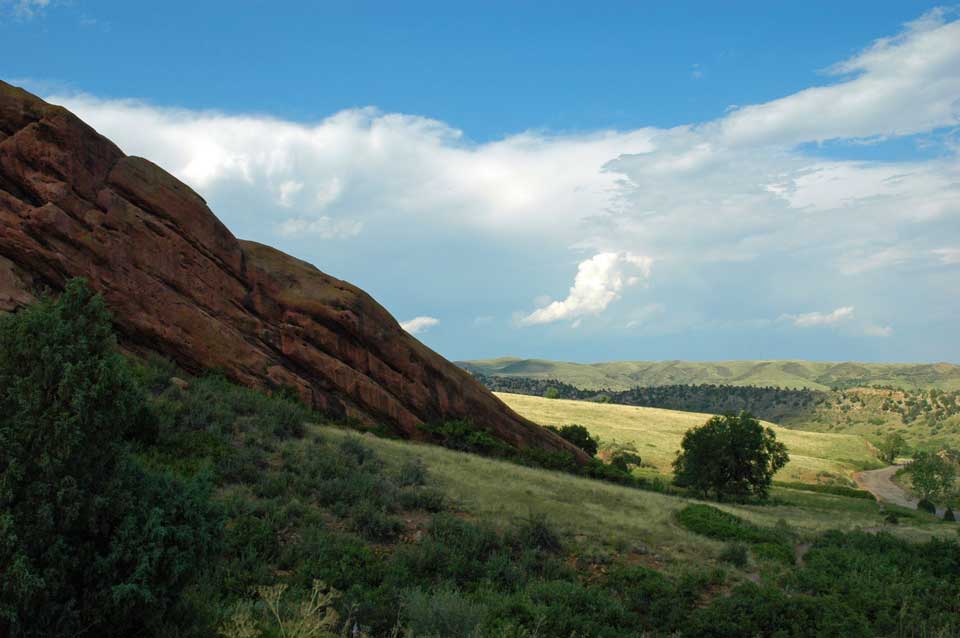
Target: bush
[[537, 532], [444, 613], [421, 498], [736, 554], [89, 540], [412, 473], [465, 436], [714, 523], [579, 436], [948, 515], [777, 552], [927, 506]]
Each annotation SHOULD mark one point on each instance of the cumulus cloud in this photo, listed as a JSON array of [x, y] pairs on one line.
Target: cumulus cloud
[[419, 325], [810, 319], [750, 188], [599, 282]]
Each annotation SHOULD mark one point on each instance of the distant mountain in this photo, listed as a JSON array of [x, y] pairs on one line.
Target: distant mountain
[[623, 375], [180, 284]]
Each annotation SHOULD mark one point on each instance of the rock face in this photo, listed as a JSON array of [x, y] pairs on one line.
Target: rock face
[[181, 285]]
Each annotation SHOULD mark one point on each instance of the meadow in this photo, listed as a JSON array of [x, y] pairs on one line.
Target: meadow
[[814, 456]]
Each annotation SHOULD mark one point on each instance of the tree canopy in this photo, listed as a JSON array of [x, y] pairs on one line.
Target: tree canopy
[[730, 456]]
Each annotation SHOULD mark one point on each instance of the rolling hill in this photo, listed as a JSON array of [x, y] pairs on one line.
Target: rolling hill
[[814, 456], [622, 375]]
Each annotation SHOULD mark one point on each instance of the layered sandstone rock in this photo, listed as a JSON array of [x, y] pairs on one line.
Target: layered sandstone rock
[[181, 285]]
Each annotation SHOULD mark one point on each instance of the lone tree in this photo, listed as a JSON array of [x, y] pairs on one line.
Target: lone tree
[[932, 475], [730, 456], [90, 543], [892, 446]]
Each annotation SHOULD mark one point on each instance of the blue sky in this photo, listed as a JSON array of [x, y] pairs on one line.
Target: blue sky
[[585, 182]]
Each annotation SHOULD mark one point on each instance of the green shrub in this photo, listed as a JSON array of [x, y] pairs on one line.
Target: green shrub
[[373, 522], [421, 498], [412, 473], [89, 540], [777, 552], [948, 515], [465, 436], [577, 435], [443, 613], [927, 506], [537, 532], [836, 490], [714, 523], [736, 554]]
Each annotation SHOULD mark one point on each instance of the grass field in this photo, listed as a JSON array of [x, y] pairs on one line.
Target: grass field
[[622, 375], [607, 519], [657, 434]]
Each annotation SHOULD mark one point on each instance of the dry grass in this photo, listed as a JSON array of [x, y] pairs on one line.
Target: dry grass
[[657, 434], [605, 518]]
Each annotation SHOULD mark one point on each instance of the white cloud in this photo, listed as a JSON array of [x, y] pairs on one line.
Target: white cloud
[[26, 8], [418, 325], [745, 189], [948, 256], [810, 319], [898, 86], [322, 227], [599, 281], [873, 330]]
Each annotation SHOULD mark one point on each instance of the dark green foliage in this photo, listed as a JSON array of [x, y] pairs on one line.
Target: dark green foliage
[[892, 446], [715, 523], [579, 436], [537, 532], [730, 456], [948, 515], [736, 554], [442, 613], [927, 506], [898, 587], [768, 403], [932, 475], [836, 490], [765, 611], [89, 541], [779, 552], [465, 436]]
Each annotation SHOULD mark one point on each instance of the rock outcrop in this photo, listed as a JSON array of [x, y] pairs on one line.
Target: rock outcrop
[[181, 285]]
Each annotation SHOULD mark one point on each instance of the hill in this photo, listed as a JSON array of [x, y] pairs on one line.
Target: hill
[[815, 457], [623, 375], [179, 284]]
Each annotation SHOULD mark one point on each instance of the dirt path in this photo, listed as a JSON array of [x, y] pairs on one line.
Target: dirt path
[[880, 484]]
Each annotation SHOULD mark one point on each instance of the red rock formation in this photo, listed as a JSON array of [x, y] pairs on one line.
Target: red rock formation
[[180, 284]]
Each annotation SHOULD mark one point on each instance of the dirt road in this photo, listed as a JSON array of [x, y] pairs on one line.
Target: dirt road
[[880, 484]]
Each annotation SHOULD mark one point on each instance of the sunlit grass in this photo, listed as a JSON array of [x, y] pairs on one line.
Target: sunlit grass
[[657, 434]]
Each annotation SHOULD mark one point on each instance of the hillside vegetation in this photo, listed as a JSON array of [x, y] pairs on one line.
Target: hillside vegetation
[[814, 456], [622, 375], [927, 419]]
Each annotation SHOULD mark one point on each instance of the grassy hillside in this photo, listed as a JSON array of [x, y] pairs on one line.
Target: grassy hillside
[[657, 433], [604, 517], [621, 375]]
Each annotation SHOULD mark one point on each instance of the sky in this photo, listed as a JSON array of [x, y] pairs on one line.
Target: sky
[[572, 181]]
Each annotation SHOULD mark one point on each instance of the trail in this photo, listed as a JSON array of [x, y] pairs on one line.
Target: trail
[[880, 484]]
